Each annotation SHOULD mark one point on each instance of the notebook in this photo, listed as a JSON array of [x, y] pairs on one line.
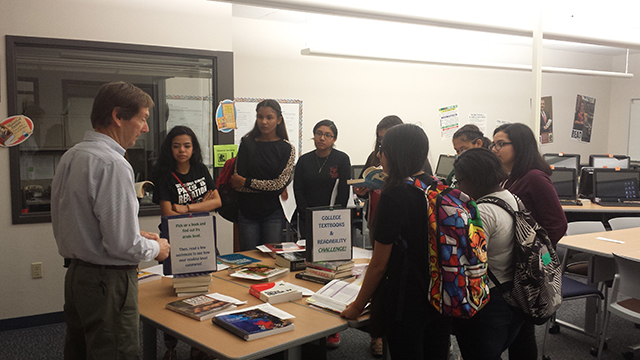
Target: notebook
[[445, 165], [616, 187], [565, 180]]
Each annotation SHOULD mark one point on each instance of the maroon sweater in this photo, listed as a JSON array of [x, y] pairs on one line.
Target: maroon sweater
[[536, 191]]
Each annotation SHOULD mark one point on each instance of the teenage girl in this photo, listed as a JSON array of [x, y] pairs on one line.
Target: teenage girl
[[317, 172], [487, 334], [467, 137], [414, 328], [515, 145], [184, 185], [263, 171]]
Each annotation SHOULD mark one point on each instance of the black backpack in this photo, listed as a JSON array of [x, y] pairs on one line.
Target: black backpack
[[537, 278]]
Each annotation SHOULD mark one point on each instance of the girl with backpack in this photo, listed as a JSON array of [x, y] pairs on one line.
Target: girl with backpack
[[414, 328], [467, 137], [263, 170], [183, 185], [516, 146], [489, 332]]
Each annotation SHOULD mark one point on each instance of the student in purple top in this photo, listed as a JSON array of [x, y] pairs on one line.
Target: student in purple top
[[515, 145]]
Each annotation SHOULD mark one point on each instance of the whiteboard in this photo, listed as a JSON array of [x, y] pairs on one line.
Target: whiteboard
[[291, 112], [634, 130]]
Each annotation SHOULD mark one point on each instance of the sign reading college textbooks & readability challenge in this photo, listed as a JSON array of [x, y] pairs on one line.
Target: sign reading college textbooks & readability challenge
[[329, 235], [193, 242]]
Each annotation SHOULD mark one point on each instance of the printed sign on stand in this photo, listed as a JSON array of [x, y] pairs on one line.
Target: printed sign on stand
[[193, 243], [329, 234]]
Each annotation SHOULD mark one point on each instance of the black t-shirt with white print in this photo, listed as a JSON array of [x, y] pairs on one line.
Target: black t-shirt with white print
[[196, 184]]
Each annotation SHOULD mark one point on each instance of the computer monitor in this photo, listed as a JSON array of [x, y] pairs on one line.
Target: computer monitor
[[609, 161], [563, 160], [565, 182], [585, 190], [610, 185], [445, 165]]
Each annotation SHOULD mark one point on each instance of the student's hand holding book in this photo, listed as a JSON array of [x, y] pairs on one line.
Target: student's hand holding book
[[352, 311]]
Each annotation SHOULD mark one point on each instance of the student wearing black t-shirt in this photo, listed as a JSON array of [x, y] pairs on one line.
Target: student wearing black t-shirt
[[415, 330], [183, 185], [263, 171], [318, 171]]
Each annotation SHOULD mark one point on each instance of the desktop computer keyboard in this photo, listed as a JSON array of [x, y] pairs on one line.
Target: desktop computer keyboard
[[570, 202], [622, 203]]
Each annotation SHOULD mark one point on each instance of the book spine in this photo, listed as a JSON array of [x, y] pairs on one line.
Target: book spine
[[229, 327], [313, 265], [323, 273], [254, 292], [298, 265], [314, 279]]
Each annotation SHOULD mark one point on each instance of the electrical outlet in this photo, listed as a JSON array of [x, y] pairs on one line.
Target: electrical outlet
[[36, 270]]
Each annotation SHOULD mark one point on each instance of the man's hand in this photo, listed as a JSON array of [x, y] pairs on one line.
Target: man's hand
[[164, 249], [150, 235]]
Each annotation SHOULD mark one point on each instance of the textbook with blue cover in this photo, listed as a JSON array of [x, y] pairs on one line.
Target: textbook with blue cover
[[236, 259], [255, 322]]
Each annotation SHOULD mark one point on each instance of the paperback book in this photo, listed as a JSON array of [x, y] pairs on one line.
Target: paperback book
[[318, 279], [335, 296], [276, 292], [199, 307], [237, 259], [328, 273], [331, 265], [372, 178], [259, 272], [146, 276], [255, 322]]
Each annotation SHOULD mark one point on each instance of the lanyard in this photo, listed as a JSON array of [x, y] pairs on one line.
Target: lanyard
[[184, 187]]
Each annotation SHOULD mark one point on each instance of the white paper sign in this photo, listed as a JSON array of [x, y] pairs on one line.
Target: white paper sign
[[193, 246], [331, 235], [449, 121]]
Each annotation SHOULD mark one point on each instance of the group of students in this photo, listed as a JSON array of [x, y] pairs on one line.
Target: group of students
[[509, 165]]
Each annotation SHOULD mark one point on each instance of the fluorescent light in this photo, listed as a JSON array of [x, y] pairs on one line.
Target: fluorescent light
[[495, 66]]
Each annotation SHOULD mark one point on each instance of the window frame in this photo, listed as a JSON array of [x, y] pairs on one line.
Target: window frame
[[222, 88]]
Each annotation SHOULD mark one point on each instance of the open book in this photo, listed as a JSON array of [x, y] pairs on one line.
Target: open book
[[372, 178], [335, 296]]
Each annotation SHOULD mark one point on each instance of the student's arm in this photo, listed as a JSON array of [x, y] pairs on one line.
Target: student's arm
[[276, 185], [375, 271], [344, 174], [166, 209], [211, 202], [298, 185]]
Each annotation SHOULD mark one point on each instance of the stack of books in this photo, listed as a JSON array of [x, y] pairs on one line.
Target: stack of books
[[192, 283], [275, 293], [200, 307], [324, 271], [258, 272], [294, 261]]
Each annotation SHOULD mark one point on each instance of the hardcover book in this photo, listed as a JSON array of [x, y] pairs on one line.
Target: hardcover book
[[335, 296], [255, 322], [331, 265], [319, 279], [199, 307], [284, 247], [275, 293], [328, 273], [293, 260], [259, 272]]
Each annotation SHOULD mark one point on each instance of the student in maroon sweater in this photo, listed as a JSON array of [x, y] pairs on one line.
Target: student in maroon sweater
[[516, 147]]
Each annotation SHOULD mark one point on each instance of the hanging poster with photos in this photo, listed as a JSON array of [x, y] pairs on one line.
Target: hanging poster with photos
[[583, 119], [546, 122]]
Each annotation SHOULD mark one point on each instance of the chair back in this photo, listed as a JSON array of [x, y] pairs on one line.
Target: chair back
[[584, 227], [628, 279], [624, 223]]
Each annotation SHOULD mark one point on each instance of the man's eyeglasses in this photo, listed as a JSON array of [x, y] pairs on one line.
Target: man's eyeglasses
[[497, 146], [320, 134]]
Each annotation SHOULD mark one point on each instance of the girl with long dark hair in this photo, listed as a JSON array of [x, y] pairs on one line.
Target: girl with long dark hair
[[414, 328], [263, 171]]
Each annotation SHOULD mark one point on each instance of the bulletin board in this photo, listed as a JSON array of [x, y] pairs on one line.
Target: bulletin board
[[291, 112]]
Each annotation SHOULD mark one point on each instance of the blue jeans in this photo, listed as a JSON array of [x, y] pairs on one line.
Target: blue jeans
[[267, 230], [489, 332]]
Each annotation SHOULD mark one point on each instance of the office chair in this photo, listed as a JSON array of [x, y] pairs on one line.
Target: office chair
[[625, 282], [573, 289], [624, 223]]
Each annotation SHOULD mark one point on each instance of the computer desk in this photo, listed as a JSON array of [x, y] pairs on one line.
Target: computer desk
[[310, 323], [601, 264], [594, 212]]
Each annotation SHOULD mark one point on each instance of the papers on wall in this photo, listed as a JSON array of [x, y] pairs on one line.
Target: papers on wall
[[449, 121], [194, 112], [479, 120]]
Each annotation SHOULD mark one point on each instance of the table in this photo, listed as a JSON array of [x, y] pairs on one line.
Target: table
[[310, 323], [601, 264], [591, 211]]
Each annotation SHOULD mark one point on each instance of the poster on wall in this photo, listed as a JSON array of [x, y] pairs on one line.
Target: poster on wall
[[583, 120], [546, 122], [449, 121], [479, 120]]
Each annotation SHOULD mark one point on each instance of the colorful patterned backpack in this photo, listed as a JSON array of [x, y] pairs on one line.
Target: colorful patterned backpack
[[458, 285]]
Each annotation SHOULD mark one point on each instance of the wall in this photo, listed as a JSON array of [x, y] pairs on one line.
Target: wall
[[187, 24], [267, 63]]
